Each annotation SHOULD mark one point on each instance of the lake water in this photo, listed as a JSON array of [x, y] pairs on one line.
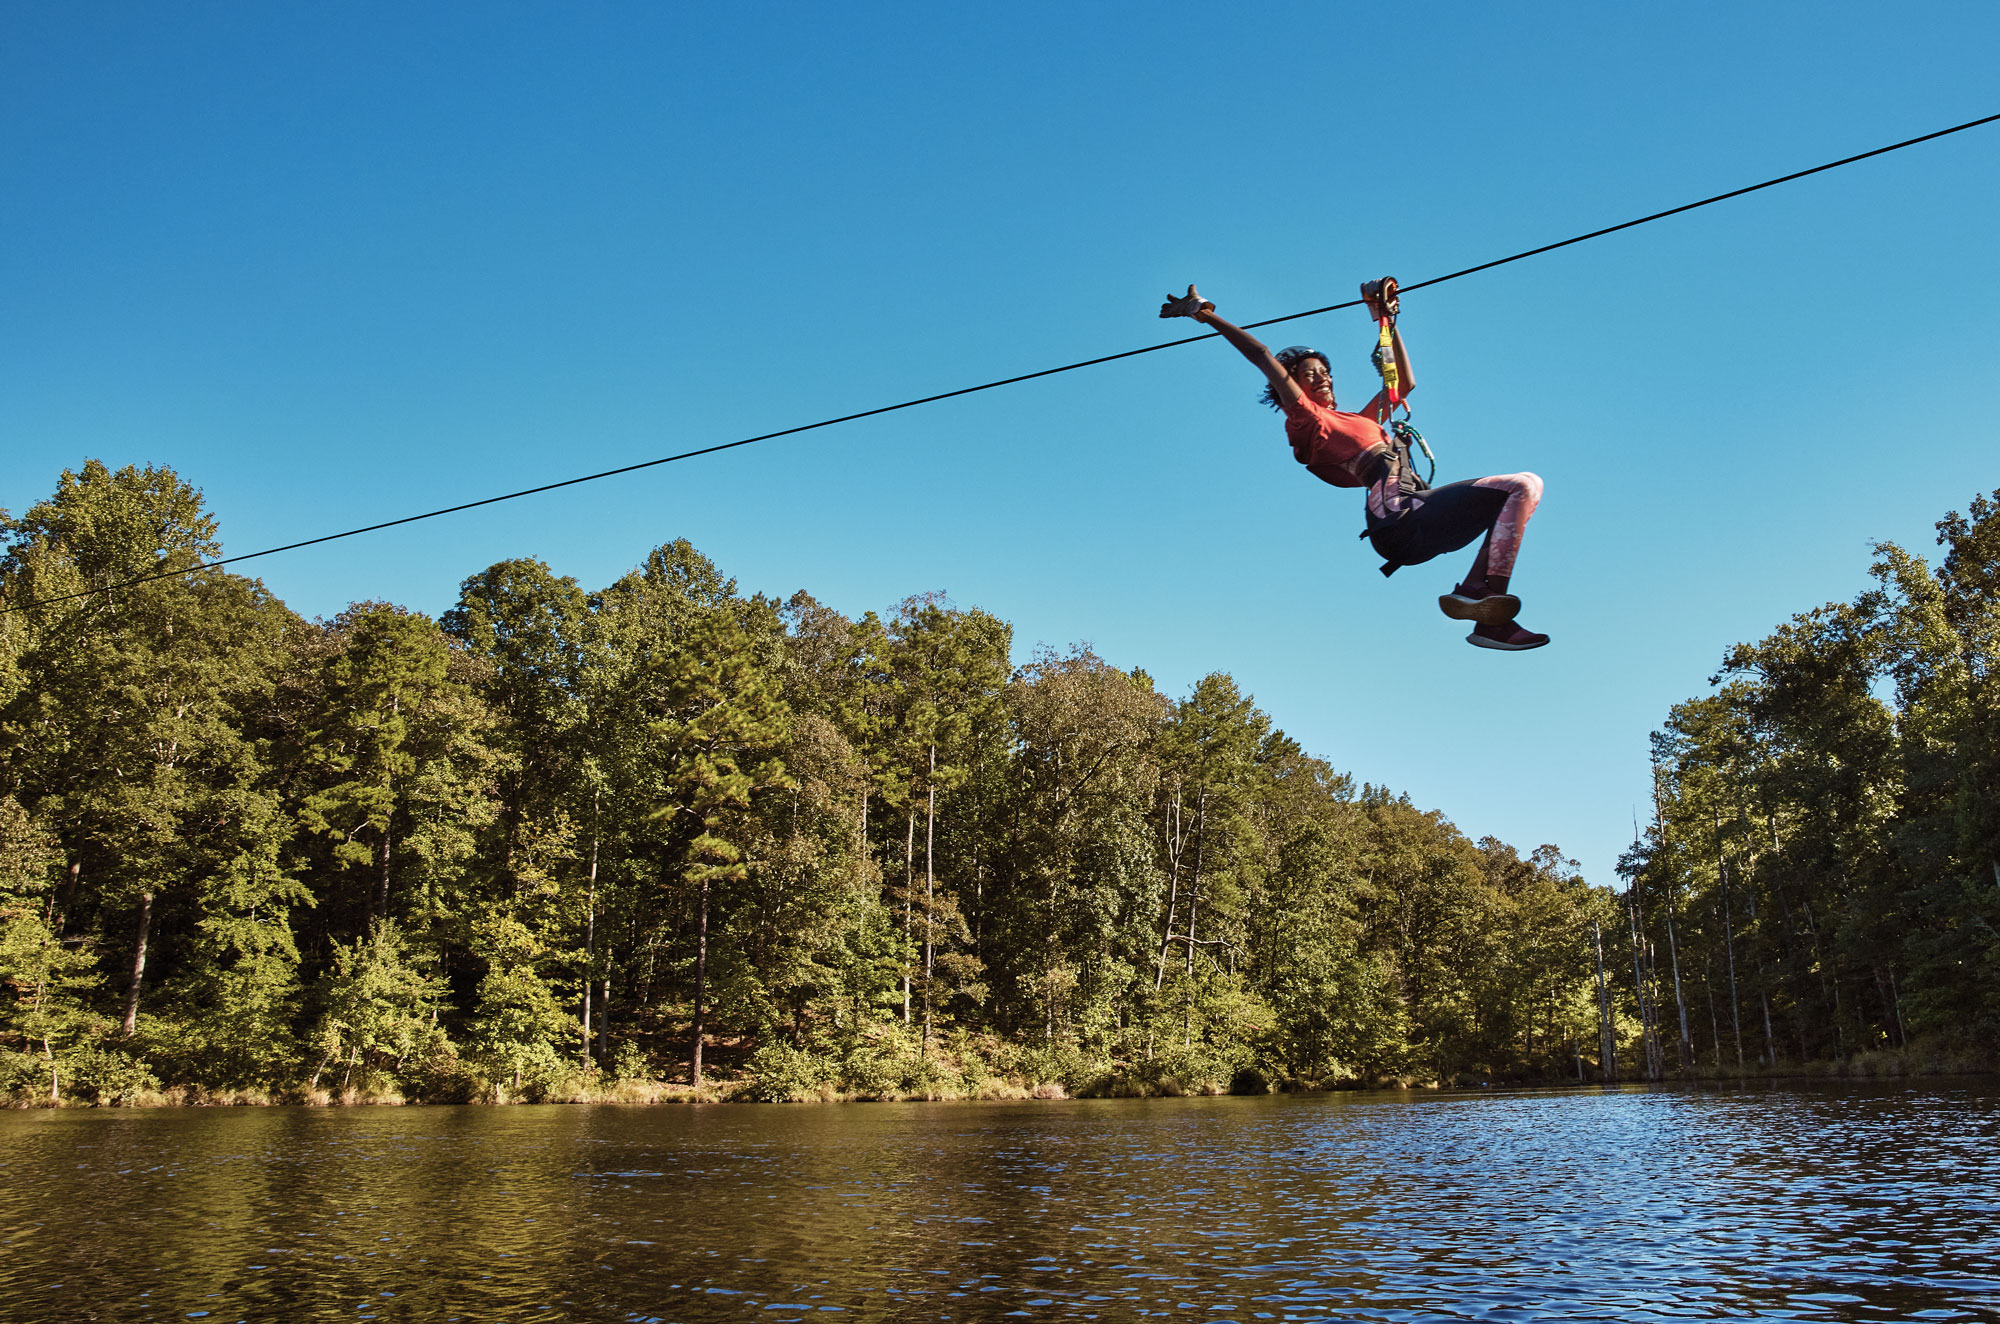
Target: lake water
[[1845, 1203]]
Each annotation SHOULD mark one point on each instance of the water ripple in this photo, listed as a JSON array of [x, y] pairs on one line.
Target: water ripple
[[1843, 1203]]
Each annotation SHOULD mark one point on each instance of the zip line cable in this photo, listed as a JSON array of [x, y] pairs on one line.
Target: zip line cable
[[993, 385]]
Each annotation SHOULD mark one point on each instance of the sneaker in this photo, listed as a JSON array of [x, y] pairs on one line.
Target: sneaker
[[1505, 636], [1461, 604]]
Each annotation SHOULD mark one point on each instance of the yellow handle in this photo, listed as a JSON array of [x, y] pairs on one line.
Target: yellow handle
[[1390, 378]]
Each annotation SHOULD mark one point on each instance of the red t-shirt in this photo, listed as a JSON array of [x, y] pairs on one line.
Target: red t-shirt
[[1331, 444]]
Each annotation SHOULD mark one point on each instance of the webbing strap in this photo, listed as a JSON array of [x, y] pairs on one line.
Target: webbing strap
[[1386, 351]]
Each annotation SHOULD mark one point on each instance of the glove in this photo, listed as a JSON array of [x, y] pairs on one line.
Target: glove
[[1186, 305]]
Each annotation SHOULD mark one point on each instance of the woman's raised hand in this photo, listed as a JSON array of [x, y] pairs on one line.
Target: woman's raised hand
[[1186, 305], [1381, 296]]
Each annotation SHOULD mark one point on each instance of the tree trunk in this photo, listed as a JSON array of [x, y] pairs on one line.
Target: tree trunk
[[1770, 1055], [1639, 984], [909, 891], [1793, 955], [1784, 903], [604, 1018], [1175, 841], [62, 913], [381, 906], [138, 963], [1896, 1001], [1729, 946], [1680, 998], [1608, 1044], [646, 971], [1829, 980], [930, 896], [700, 978], [1673, 947], [591, 925], [1194, 911], [1194, 883], [1888, 1006], [591, 951], [1714, 1024]]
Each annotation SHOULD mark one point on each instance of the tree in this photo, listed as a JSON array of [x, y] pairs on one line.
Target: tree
[[542, 649], [132, 730], [725, 720], [379, 1009], [947, 670], [517, 1019], [45, 983], [696, 715], [1080, 875], [399, 770]]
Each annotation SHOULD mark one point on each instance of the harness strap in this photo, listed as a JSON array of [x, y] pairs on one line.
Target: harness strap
[[1388, 567], [1385, 353]]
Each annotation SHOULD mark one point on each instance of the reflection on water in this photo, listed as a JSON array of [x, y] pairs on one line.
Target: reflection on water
[[1835, 1204]]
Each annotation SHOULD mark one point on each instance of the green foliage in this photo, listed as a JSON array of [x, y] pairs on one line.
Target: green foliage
[[630, 1063], [95, 1071], [872, 1072], [1067, 1066], [1828, 826], [560, 836], [780, 1073], [379, 1009], [517, 1020], [45, 983], [134, 733]]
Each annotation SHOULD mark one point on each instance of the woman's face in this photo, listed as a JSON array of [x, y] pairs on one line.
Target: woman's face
[[1314, 380]]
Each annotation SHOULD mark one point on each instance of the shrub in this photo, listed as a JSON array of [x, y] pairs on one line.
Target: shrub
[[783, 1074], [435, 1073], [1056, 1070], [869, 1070], [24, 1077], [105, 1075], [630, 1062]]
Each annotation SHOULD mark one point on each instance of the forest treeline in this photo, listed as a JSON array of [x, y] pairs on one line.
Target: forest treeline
[[557, 839], [664, 836], [1822, 877]]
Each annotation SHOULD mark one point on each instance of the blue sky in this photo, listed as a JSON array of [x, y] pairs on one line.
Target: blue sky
[[342, 263]]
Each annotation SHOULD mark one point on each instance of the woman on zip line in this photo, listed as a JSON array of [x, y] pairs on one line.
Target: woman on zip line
[[1408, 521]]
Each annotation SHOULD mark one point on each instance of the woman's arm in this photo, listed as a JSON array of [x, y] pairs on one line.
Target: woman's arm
[[1407, 380], [1378, 408], [1192, 305]]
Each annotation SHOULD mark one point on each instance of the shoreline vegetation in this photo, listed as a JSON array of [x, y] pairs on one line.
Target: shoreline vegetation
[[663, 842], [1884, 1066]]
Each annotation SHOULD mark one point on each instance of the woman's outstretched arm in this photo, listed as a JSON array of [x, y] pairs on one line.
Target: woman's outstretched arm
[[1192, 305]]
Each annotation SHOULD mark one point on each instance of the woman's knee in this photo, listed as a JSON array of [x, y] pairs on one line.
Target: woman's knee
[[1527, 486]]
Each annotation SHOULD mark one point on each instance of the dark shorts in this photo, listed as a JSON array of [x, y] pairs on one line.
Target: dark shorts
[[1449, 518]]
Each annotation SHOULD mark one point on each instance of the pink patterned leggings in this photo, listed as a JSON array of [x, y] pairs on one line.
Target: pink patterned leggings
[[1524, 493]]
